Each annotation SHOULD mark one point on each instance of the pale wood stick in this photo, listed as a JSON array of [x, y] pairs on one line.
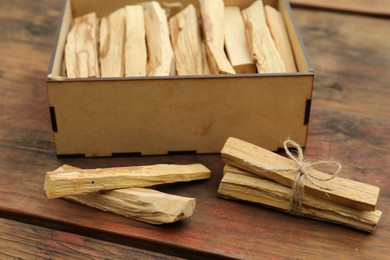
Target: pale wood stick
[[279, 33], [112, 40], [264, 163], [135, 49], [260, 41], [206, 68], [185, 36], [241, 185], [81, 51], [212, 12], [71, 182], [160, 53], [236, 43], [142, 204]]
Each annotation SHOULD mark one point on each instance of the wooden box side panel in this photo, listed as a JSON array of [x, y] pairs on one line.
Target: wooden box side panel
[[99, 118], [103, 8], [301, 57]]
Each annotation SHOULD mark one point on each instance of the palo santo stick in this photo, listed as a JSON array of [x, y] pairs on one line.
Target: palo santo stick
[[135, 49], [185, 36], [112, 40], [206, 68], [142, 204], [160, 53], [279, 33], [236, 43], [241, 185], [260, 161], [81, 51], [260, 41], [59, 184], [212, 12]]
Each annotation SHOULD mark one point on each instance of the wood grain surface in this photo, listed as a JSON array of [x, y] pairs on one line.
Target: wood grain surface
[[366, 7], [24, 241], [350, 122]]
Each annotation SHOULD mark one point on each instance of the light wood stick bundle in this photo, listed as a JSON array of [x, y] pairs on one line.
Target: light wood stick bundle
[[261, 162], [112, 40], [236, 43], [242, 185], [142, 204], [160, 52], [185, 36], [135, 49], [260, 41], [279, 33], [81, 52], [71, 182], [212, 12]]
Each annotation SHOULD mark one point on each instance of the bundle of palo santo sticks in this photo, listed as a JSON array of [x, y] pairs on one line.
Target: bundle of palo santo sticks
[[121, 190], [257, 175], [141, 40]]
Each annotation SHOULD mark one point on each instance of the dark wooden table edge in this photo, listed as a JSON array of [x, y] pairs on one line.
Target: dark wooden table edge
[[166, 248]]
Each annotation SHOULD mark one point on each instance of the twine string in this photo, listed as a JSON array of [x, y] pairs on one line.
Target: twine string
[[303, 172]]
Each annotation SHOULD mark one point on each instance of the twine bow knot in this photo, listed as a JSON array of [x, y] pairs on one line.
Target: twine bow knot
[[303, 172]]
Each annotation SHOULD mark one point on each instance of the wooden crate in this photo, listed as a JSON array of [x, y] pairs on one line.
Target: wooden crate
[[161, 115]]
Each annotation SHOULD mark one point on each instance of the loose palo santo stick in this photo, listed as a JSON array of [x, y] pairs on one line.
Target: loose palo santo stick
[[160, 52], [260, 40], [279, 33], [142, 204], [135, 49], [261, 162], [81, 53], [241, 185], [186, 42], [112, 39], [71, 182], [236, 44], [212, 12]]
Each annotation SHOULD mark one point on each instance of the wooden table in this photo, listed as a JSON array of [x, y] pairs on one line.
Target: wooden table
[[350, 122]]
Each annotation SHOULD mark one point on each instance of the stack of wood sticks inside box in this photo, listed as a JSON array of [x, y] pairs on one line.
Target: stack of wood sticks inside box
[[257, 175], [141, 40], [121, 190]]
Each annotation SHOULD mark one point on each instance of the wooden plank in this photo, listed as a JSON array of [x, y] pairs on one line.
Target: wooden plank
[[260, 161], [135, 48], [212, 13], [242, 185], [161, 60], [81, 52], [23, 241], [186, 42], [112, 39], [261, 44], [236, 43], [370, 7], [279, 33], [71, 182]]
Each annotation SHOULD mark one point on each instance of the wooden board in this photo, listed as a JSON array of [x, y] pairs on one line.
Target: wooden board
[[23, 241], [370, 7]]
